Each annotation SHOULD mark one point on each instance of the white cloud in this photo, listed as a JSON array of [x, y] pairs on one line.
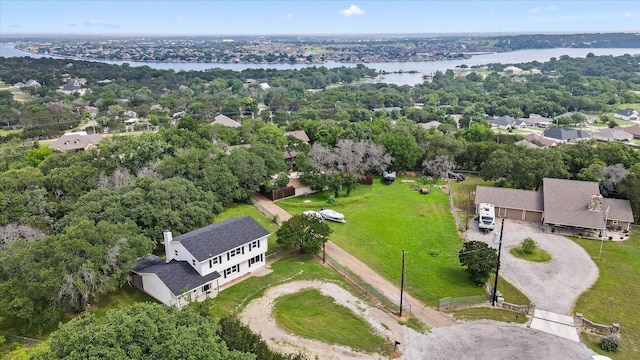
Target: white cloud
[[627, 15], [552, 8], [352, 10], [287, 16], [535, 10], [179, 18], [96, 22]]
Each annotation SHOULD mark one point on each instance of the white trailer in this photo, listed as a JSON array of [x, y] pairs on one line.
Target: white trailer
[[487, 217]]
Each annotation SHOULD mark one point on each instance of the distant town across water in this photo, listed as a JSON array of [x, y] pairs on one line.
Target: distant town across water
[[398, 73]]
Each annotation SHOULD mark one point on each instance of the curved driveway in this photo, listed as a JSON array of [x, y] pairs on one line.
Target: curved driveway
[[552, 286]]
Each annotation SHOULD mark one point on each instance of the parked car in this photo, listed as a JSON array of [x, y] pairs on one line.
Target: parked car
[[456, 176]]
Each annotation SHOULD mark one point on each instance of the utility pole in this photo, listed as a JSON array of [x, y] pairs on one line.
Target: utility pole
[[604, 233], [323, 251], [495, 284], [402, 283]]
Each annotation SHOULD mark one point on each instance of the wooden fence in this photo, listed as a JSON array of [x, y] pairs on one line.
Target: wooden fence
[[281, 193], [365, 179]]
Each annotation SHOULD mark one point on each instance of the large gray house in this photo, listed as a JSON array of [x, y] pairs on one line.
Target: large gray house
[[569, 204]]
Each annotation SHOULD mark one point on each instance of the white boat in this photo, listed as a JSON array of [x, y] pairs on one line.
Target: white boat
[[311, 214], [332, 215]]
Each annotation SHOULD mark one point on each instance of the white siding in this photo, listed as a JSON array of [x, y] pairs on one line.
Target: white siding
[[153, 286]]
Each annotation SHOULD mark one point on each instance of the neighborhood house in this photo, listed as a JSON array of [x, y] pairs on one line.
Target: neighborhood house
[[199, 262], [576, 206], [76, 141]]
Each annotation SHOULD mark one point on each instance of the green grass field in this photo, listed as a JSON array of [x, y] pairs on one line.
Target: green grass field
[[538, 255], [509, 292], [481, 312], [614, 296], [298, 267], [383, 220], [310, 314]]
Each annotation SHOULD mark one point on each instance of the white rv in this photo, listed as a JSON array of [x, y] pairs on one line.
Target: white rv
[[487, 217]]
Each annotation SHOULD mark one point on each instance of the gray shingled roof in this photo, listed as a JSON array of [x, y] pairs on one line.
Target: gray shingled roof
[[226, 121], [626, 112], [221, 237], [618, 209], [75, 142], [566, 203], [299, 134], [510, 198], [614, 134], [176, 275], [633, 129], [503, 120], [527, 144], [566, 134], [540, 139]]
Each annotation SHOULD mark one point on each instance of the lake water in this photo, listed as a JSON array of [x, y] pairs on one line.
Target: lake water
[[405, 78]]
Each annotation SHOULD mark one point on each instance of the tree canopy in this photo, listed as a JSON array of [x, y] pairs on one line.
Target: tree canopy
[[307, 233], [479, 259], [141, 331]]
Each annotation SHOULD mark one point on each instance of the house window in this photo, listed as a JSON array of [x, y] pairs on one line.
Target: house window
[[235, 252], [254, 245], [255, 259], [232, 270], [206, 288], [215, 260]]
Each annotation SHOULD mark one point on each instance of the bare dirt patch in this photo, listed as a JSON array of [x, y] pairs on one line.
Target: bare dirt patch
[[258, 316]]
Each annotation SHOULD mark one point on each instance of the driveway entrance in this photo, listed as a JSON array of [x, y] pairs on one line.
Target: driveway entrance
[[554, 285], [555, 324]]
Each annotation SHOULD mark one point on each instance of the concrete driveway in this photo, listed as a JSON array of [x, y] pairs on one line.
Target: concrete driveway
[[552, 286]]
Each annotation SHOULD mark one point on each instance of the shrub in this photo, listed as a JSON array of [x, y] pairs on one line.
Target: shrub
[[609, 343], [528, 245]]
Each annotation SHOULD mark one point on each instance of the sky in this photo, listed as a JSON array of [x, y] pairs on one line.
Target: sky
[[158, 17]]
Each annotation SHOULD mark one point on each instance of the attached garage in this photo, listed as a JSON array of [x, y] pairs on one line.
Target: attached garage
[[514, 204]]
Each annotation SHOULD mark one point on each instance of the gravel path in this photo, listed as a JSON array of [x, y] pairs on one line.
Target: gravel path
[[258, 316]]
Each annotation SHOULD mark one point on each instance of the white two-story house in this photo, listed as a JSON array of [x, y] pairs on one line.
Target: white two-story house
[[199, 262]]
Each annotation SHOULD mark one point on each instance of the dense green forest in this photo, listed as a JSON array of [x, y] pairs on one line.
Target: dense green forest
[[73, 223]]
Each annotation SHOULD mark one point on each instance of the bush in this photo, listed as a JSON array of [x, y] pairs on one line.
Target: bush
[[528, 245], [609, 343]]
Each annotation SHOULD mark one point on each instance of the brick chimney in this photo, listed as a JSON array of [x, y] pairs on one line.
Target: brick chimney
[[168, 238]]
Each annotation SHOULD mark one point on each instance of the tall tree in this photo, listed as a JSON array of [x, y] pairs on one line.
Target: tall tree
[[306, 233], [141, 331], [348, 160], [40, 279], [479, 259]]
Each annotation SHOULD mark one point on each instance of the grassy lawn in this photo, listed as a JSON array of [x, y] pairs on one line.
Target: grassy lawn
[[312, 315], [614, 296], [463, 195], [126, 296], [479, 313], [538, 255], [509, 292], [299, 267], [383, 220]]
